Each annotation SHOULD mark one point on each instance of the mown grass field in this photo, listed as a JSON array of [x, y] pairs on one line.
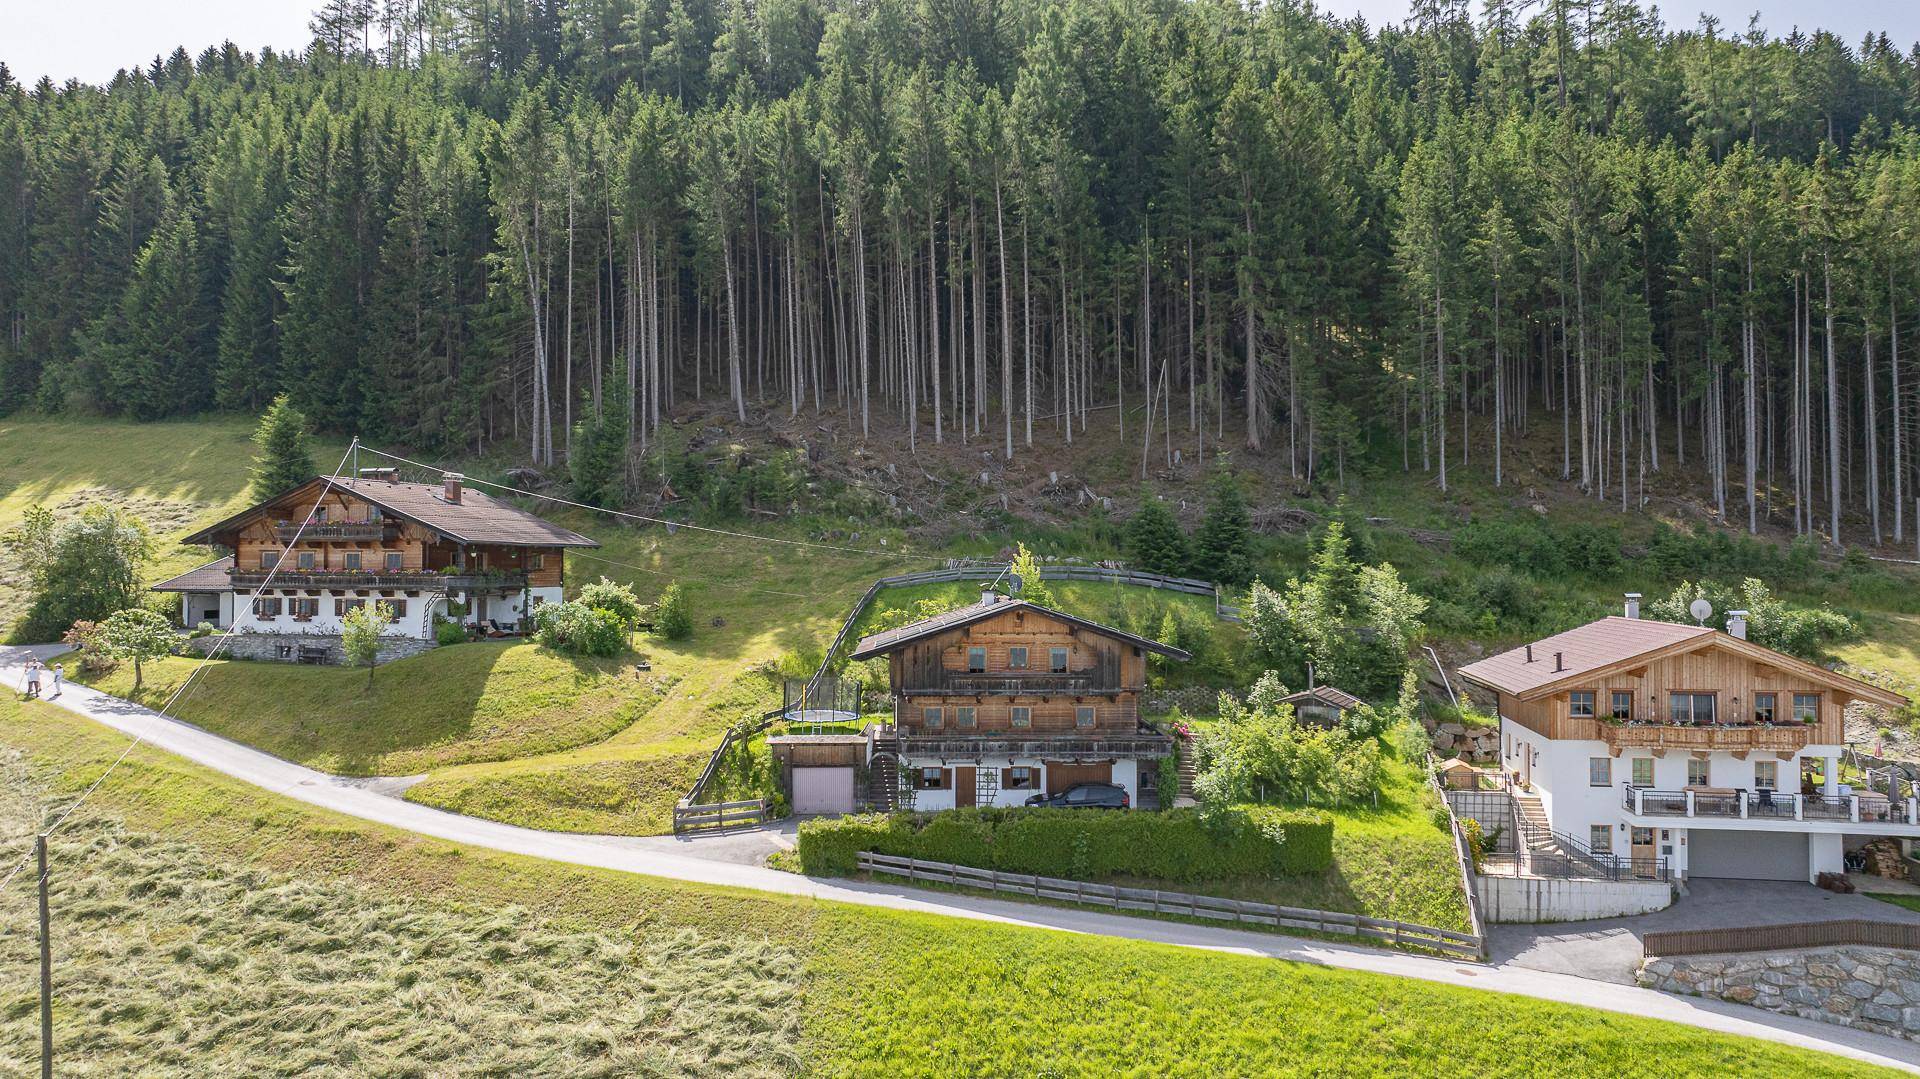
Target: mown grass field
[[206, 926]]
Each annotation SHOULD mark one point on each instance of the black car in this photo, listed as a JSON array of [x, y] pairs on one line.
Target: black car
[[1085, 796]]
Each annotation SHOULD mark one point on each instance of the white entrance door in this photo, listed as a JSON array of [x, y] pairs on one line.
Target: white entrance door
[[823, 790]]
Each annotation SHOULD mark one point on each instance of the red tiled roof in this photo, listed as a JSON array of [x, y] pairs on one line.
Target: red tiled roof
[[1611, 640]]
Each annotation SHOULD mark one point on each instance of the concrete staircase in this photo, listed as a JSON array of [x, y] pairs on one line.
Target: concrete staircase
[[1536, 833], [1189, 767]]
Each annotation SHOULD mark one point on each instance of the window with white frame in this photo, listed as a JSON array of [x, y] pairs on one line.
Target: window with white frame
[[965, 717], [1017, 658], [1697, 772], [932, 718], [1766, 775], [1057, 660], [1083, 716], [1599, 771], [976, 659], [1020, 717]]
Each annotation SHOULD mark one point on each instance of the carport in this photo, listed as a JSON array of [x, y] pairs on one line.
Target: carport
[[1746, 855]]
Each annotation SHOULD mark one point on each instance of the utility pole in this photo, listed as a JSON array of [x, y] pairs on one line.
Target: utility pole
[[46, 965]]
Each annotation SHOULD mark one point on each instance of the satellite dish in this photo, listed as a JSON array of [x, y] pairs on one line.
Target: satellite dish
[[1701, 610], [1013, 583]]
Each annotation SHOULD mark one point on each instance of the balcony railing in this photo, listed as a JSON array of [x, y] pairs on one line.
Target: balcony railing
[[1035, 683], [1001, 744], [287, 531], [1711, 736], [1772, 805], [360, 578]]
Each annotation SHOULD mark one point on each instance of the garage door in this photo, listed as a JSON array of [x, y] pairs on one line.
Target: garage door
[[823, 790], [1060, 776], [1746, 855]]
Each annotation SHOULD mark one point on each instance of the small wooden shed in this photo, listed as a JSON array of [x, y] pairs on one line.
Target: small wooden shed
[[1456, 774], [1321, 706]]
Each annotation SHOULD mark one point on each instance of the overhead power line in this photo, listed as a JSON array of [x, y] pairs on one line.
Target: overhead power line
[[880, 552]]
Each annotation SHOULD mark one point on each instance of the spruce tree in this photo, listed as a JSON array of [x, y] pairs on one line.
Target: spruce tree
[[283, 454], [1154, 541], [1223, 547]]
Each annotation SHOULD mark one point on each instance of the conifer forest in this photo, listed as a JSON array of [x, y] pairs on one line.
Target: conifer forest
[[1203, 224]]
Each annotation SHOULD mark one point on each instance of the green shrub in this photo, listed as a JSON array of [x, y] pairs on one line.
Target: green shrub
[[203, 629], [446, 632], [579, 629], [613, 597], [1176, 845], [672, 615]]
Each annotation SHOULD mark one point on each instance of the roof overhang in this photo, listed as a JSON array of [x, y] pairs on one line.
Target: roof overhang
[[1813, 672], [207, 535]]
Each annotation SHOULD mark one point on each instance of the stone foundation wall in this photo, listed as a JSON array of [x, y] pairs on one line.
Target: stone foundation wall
[[1876, 989], [1204, 700], [267, 646]]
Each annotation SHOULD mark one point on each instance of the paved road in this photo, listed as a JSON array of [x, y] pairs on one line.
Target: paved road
[[687, 859], [1609, 948]]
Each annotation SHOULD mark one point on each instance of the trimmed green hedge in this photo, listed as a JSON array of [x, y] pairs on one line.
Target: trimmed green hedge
[[1179, 844]]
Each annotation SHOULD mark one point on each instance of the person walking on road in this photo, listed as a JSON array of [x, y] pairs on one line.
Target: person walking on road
[[59, 678], [33, 678]]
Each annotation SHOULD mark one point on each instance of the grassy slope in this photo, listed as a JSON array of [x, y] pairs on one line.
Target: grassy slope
[[599, 977], [175, 476], [1389, 862]]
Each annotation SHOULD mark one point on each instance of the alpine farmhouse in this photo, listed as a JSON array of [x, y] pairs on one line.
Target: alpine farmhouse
[[1683, 747], [315, 552], [1004, 699]]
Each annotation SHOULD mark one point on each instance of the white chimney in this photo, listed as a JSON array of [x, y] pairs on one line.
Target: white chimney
[[451, 491], [1633, 604], [1737, 624], [988, 598]]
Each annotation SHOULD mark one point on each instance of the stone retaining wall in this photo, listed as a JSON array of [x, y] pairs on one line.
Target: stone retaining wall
[[267, 646], [1876, 989], [1201, 700]]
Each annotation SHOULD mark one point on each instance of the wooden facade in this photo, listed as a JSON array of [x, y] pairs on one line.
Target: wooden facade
[[1021, 673], [1737, 682], [350, 535]]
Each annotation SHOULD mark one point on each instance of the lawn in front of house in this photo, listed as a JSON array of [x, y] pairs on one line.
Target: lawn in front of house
[[270, 934]]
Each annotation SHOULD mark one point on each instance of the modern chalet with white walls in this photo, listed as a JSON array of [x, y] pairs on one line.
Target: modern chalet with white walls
[[1649, 740]]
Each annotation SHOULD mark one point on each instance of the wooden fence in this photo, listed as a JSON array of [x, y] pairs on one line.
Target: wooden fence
[[1154, 901], [1769, 938], [718, 815]]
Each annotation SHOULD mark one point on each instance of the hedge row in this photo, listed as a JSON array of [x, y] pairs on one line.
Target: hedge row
[[1180, 845]]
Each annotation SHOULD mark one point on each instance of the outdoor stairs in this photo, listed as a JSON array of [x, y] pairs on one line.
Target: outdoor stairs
[[883, 774], [1531, 817], [1189, 767]]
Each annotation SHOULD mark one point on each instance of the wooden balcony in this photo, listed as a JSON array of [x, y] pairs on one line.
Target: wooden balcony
[[335, 531], [1090, 744], [1784, 738], [424, 580], [1014, 684]]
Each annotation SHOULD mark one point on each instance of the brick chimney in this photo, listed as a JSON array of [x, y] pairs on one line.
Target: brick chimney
[[451, 491], [1633, 604], [1737, 624]]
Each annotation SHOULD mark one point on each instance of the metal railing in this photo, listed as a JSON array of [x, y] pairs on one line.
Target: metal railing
[[1035, 683], [1771, 805]]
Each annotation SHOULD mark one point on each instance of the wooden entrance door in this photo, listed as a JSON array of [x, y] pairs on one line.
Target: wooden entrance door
[[964, 786], [1643, 852]]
